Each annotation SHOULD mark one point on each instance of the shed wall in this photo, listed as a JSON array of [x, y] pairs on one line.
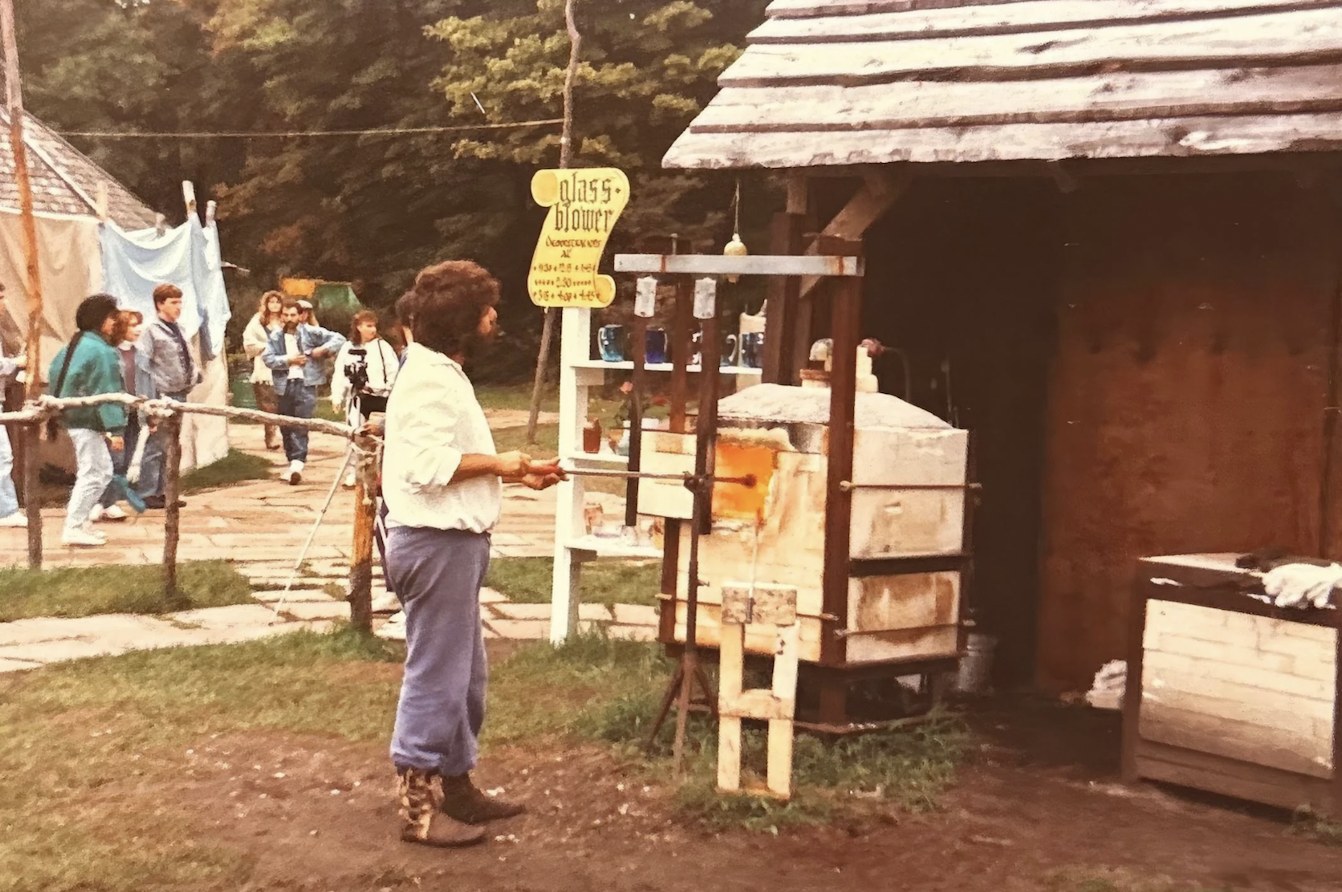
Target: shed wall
[[1186, 394]]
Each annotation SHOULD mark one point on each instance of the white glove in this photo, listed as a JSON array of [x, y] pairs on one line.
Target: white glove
[[1298, 585]]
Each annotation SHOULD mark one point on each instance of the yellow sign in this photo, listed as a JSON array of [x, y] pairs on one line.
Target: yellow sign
[[584, 205]]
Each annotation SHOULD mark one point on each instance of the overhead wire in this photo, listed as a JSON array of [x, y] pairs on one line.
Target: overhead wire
[[300, 134]]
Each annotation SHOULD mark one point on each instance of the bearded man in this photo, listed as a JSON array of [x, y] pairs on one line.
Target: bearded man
[[442, 484]]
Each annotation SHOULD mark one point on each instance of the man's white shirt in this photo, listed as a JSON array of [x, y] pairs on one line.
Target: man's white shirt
[[433, 419], [291, 348]]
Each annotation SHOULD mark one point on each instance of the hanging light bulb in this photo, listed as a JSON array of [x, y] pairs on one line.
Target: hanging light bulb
[[736, 247]]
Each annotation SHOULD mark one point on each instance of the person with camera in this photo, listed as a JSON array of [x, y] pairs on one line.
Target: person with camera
[[291, 354], [364, 372], [442, 481]]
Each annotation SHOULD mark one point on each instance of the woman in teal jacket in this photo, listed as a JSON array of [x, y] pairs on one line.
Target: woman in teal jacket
[[89, 366]]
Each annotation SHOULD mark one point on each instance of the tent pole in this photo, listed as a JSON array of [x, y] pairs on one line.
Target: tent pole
[[14, 103]]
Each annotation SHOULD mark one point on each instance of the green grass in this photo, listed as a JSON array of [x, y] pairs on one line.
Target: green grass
[[85, 744], [529, 581], [88, 591], [91, 747], [235, 467], [509, 439], [516, 397]]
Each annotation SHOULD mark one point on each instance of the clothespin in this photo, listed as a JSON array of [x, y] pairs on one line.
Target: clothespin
[[210, 208], [160, 224], [101, 201], [189, 197]]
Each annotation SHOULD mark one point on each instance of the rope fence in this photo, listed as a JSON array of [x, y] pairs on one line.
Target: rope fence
[[366, 447]]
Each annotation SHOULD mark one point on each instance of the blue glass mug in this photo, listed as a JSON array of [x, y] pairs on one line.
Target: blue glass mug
[[654, 346], [611, 341]]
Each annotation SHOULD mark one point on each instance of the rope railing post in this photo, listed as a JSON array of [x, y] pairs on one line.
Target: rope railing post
[[361, 558], [32, 501], [172, 487]]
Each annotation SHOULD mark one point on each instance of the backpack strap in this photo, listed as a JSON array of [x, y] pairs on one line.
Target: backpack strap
[[60, 380]]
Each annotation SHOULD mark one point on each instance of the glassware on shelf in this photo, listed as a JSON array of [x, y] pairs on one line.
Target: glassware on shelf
[[655, 346], [611, 341], [591, 436]]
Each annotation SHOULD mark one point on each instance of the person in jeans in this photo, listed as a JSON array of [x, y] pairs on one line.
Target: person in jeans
[[138, 381], [174, 373], [89, 366], [10, 515], [291, 354], [254, 338], [442, 480]]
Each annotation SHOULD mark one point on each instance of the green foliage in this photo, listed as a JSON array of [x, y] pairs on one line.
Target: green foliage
[[374, 209], [88, 591]]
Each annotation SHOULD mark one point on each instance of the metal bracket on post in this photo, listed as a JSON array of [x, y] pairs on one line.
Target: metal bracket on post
[[705, 298], [645, 299]]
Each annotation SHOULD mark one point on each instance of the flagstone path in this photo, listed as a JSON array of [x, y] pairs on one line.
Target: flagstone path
[[260, 528]]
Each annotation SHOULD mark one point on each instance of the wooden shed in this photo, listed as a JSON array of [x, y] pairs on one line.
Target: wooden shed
[[1106, 237]]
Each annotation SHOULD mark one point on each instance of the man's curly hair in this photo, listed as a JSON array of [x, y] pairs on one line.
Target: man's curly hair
[[450, 299]]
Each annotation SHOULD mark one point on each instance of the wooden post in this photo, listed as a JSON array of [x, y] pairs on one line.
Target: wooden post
[[361, 560], [14, 104], [565, 158], [845, 330], [172, 488]]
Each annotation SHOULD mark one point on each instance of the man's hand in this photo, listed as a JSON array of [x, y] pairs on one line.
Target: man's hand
[[300, 359], [540, 481], [117, 444], [514, 464], [319, 352]]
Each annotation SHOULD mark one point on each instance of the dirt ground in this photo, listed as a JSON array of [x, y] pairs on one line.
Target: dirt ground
[[1038, 809]]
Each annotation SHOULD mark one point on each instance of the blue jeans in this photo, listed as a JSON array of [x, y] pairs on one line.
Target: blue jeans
[[438, 574], [297, 401], [121, 460], [9, 500], [155, 450]]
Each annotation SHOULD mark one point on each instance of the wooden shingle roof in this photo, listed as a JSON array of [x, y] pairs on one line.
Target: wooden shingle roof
[[65, 181], [838, 82]]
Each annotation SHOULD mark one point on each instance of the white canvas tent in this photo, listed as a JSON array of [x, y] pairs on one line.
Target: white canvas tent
[[126, 256]]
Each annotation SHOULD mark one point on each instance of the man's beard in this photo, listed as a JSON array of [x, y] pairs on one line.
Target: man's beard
[[476, 346]]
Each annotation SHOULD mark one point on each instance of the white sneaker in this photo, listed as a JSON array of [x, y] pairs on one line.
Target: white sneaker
[[349, 480], [78, 537], [387, 603], [89, 530], [17, 520], [112, 514], [295, 473]]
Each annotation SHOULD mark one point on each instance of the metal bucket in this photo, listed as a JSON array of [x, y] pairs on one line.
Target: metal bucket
[[975, 676]]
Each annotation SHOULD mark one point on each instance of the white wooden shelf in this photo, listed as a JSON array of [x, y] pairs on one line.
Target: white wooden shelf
[[601, 547], [665, 367]]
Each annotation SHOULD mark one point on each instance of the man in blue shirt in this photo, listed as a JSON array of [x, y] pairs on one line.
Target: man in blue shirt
[[291, 354], [174, 372]]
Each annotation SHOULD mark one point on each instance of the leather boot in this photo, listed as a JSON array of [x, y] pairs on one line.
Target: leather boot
[[421, 820], [465, 803]]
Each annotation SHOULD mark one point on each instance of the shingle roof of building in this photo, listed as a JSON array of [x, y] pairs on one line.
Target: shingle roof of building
[[835, 82], [64, 180]]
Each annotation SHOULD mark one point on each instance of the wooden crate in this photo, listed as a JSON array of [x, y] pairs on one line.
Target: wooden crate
[[1227, 693]]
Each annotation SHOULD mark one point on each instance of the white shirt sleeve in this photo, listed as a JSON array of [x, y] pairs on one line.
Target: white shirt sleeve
[[340, 384], [429, 449]]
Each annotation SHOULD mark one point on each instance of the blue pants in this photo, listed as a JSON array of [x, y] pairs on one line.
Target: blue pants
[[9, 500], [438, 576], [380, 539], [297, 401], [150, 484], [121, 460]]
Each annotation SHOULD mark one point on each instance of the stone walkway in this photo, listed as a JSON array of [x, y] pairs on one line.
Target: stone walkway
[[260, 528]]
